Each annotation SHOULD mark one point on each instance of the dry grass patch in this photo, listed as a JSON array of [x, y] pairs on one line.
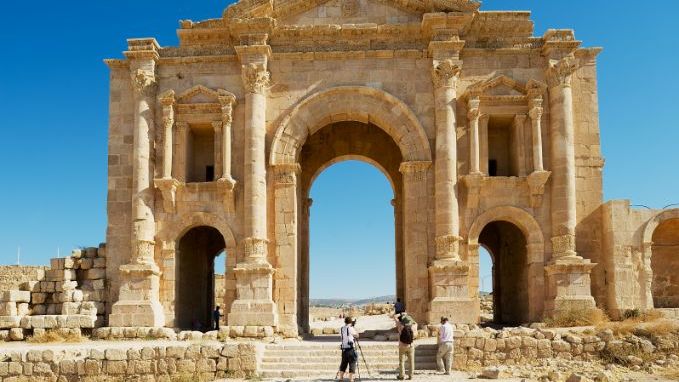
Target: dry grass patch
[[577, 317], [651, 322], [672, 373], [54, 336]]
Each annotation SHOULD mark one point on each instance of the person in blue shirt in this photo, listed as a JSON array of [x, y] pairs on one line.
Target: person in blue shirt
[[399, 307]]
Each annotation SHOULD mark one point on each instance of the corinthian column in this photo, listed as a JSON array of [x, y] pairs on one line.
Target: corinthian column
[[138, 301], [559, 76], [167, 100], [254, 305], [255, 82], [444, 75]]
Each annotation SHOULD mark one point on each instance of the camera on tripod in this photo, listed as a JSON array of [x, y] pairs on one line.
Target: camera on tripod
[[353, 323]]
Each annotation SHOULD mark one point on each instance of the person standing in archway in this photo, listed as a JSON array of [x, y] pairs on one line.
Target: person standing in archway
[[348, 335], [399, 307], [216, 316], [444, 356]]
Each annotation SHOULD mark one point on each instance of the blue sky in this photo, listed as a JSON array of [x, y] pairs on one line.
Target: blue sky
[[54, 94]]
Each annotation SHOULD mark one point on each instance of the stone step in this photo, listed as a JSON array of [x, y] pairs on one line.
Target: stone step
[[334, 365], [294, 360], [325, 374]]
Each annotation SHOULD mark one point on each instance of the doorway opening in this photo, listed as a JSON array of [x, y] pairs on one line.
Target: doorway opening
[[506, 247], [196, 256], [664, 263]]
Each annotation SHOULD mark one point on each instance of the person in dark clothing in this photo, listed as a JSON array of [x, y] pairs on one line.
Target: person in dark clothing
[[349, 335], [216, 315], [399, 307]]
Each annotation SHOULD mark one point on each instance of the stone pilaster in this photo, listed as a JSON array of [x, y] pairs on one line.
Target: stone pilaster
[[167, 100], [254, 305], [415, 178], [138, 302], [286, 216]]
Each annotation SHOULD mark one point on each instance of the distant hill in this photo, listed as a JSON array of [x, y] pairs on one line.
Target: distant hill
[[336, 302]]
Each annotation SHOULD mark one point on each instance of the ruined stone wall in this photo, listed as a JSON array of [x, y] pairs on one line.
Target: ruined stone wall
[[12, 276], [125, 361], [627, 286]]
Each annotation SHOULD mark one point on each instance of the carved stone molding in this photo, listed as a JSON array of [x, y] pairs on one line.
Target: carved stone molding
[[536, 184], [415, 169], [168, 190], [286, 174], [256, 78], [561, 72], [472, 183], [143, 82], [445, 73], [144, 252]]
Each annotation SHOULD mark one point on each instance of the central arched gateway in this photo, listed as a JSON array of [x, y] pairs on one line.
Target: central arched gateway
[[339, 124]]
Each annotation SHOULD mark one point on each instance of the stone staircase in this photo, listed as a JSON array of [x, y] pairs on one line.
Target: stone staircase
[[321, 360]]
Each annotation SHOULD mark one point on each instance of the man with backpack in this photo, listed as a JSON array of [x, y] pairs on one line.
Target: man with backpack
[[406, 348], [348, 334]]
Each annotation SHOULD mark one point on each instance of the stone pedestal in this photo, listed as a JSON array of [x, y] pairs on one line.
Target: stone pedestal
[[568, 286], [138, 303], [254, 305], [450, 293]]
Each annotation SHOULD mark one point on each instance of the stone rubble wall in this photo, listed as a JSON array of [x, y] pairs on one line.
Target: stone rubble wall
[[515, 346], [126, 361], [12, 276], [70, 294]]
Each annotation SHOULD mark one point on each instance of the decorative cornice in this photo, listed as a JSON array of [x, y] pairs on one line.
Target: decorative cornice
[[256, 78], [445, 73]]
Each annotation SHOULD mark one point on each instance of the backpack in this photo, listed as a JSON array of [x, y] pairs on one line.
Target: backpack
[[406, 336]]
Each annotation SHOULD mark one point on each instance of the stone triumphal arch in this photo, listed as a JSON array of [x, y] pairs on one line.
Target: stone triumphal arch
[[488, 135]]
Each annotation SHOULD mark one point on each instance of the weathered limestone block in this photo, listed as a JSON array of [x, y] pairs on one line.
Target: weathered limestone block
[[15, 296], [7, 322]]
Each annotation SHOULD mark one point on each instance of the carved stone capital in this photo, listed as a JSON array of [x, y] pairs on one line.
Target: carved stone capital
[[536, 184], [535, 113], [286, 174], [417, 170], [256, 78], [473, 112], [227, 101], [535, 89], [168, 190], [217, 125], [561, 72], [167, 98], [447, 247], [445, 73], [143, 82], [563, 246]]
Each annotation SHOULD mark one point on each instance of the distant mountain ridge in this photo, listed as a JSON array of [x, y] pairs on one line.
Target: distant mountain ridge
[[333, 302]]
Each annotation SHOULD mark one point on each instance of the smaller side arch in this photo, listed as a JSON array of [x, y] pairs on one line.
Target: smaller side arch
[[654, 222], [535, 253]]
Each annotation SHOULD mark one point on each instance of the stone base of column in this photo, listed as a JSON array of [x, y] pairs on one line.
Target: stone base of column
[[253, 305], [449, 285], [569, 286], [138, 302]]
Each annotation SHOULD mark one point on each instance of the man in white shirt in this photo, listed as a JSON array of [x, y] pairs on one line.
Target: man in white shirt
[[445, 342], [348, 334]]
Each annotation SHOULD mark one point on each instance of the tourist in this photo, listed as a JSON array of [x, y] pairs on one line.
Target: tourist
[[348, 334], [444, 356], [406, 348], [399, 307], [216, 315]]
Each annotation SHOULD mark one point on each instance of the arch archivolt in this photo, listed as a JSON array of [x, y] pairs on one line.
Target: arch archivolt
[[350, 103], [654, 222], [174, 229]]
